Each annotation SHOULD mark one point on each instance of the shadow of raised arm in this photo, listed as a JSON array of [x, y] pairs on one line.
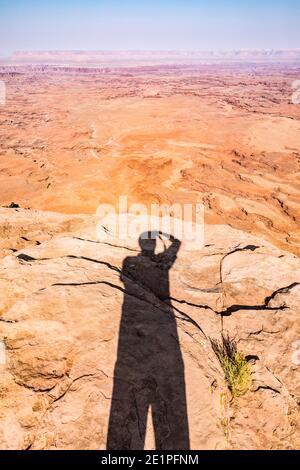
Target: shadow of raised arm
[[169, 255]]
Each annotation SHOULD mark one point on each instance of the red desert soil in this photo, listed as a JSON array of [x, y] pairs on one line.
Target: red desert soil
[[225, 135]]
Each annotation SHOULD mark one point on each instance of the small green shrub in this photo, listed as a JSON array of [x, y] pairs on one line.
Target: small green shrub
[[236, 369]]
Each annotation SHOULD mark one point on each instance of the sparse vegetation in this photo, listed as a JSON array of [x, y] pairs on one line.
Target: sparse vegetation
[[236, 369]]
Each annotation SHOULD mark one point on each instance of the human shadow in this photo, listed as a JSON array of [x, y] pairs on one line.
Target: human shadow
[[149, 371]]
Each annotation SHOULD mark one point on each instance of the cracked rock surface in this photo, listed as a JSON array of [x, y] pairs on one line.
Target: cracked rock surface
[[60, 311]]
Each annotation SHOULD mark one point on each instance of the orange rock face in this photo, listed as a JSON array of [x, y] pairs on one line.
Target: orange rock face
[[105, 343], [224, 135]]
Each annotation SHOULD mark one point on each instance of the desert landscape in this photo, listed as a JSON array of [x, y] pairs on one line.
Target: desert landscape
[[82, 129]]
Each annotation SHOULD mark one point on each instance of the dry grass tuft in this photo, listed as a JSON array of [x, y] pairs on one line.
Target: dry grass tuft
[[237, 370]]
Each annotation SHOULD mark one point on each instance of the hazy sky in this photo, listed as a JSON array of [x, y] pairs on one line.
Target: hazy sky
[[145, 24]]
